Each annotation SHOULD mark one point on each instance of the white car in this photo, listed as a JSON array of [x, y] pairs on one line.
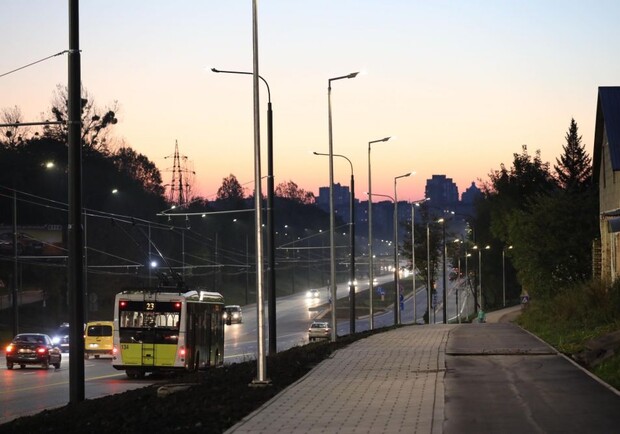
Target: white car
[[319, 330], [313, 293]]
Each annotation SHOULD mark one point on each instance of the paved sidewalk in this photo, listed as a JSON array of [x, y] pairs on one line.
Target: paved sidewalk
[[387, 383]]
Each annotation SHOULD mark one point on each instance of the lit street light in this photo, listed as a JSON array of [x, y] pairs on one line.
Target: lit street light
[[351, 245], [428, 270], [487, 247], [396, 289], [332, 223], [370, 257], [444, 303], [396, 261], [413, 205], [504, 273]]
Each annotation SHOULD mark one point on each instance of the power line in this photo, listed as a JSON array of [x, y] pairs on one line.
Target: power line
[[33, 63]]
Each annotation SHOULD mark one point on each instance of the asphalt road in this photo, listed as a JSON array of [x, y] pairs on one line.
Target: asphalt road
[[501, 379], [31, 390]]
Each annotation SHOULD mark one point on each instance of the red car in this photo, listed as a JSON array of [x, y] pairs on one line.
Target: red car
[[32, 349]]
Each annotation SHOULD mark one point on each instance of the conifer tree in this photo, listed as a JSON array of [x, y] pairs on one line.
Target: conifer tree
[[574, 167]]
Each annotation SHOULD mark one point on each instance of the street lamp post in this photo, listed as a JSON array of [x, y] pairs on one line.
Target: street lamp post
[[444, 303], [504, 274], [456, 292], [261, 360], [456, 288], [428, 270], [14, 283], [396, 291], [396, 261], [487, 247], [370, 257], [413, 205], [271, 264], [332, 223], [351, 246]]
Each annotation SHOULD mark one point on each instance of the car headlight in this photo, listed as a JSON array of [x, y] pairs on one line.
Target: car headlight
[[55, 340]]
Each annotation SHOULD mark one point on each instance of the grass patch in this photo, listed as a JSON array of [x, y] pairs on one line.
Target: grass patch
[[575, 316]]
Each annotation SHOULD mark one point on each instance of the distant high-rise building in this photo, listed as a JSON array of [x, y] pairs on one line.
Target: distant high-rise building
[[468, 200], [342, 200], [471, 194], [441, 191]]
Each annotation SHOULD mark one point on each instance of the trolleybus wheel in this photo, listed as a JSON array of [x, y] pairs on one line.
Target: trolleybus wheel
[[132, 373]]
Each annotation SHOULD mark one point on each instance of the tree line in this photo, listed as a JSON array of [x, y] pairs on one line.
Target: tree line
[[128, 219], [539, 221]]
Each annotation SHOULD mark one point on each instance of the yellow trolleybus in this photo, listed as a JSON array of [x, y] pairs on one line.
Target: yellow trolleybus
[[155, 331]]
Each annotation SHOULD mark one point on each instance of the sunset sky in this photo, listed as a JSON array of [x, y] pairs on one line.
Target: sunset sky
[[461, 85]]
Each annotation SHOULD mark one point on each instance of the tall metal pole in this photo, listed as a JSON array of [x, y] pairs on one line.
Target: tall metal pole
[[332, 219], [370, 252], [456, 292], [183, 254], [149, 265], [75, 235], [371, 259], [261, 360], [415, 312], [445, 301], [428, 270], [351, 245], [415, 308], [332, 247], [14, 299], [85, 267], [396, 264], [480, 276], [271, 261], [504, 276], [396, 260]]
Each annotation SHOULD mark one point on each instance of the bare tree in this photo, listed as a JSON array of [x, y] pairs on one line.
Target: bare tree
[[95, 124], [12, 137]]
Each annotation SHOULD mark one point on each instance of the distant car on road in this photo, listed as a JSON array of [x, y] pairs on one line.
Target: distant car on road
[[313, 293], [319, 330], [233, 314], [26, 245], [32, 349], [60, 337]]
